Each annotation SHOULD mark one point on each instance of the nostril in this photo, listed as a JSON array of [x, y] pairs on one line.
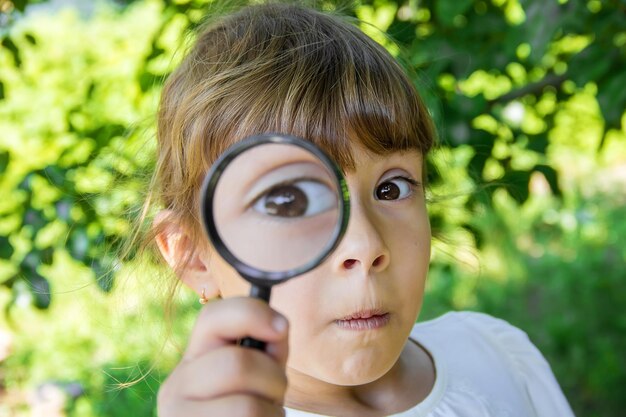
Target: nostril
[[349, 263], [378, 261]]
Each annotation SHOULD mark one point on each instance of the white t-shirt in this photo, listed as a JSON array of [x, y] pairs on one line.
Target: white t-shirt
[[484, 368]]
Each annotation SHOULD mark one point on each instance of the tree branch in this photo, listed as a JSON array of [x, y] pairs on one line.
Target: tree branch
[[533, 88]]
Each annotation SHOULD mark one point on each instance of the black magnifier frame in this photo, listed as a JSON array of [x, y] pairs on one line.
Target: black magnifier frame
[[261, 280]]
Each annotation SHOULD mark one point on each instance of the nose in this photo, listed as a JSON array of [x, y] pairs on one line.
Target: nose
[[363, 248]]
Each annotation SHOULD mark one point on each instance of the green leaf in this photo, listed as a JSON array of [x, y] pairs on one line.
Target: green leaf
[[6, 250], [30, 39], [148, 81], [516, 184], [612, 98], [538, 143], [46, 255], [12, 48], [55, 175]]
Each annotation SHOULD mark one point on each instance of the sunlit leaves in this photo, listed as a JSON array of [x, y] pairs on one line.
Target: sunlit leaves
[[490, 85], [376, 20], [65, 99], [509, 75]]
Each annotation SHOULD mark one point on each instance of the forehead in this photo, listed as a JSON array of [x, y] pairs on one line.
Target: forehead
[[366, 160]]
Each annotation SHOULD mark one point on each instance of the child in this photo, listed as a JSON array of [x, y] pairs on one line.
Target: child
[[348, 325]]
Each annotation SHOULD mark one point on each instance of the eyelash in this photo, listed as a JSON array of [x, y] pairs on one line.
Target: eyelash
[[266, 190]]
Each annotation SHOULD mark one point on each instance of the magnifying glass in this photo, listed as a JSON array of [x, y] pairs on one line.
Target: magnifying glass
[[274, 207]]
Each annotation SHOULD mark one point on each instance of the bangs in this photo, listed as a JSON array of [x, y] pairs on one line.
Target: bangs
[[337, 100], [320, 79]]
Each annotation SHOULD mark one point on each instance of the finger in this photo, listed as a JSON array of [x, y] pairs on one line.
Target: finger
[[232, 405], [226, 321], [231, 370], [279, 351]]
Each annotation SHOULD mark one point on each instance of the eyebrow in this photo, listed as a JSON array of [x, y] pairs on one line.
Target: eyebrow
[[257, 162]]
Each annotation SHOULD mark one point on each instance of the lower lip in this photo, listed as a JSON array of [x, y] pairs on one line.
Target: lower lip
[[370, 323]]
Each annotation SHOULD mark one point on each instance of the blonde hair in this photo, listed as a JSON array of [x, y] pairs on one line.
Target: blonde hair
[[282, 69]]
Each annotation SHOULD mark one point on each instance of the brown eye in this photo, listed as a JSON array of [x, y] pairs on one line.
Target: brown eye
[[302, 198], [286, 201], [396, 188], [387, 191]]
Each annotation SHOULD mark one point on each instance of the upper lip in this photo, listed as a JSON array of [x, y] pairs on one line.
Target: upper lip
[[364, 314]]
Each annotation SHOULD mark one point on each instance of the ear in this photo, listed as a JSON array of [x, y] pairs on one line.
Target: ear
[[176, 247]]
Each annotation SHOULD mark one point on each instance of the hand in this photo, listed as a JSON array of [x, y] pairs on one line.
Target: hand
[[216, 377]]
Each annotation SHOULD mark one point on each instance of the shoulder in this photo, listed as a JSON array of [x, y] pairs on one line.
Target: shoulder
[[495, 355], [473, 331], [473, 325], [465, 318]]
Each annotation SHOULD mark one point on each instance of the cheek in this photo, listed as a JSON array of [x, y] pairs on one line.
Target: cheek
[[408, 242], [408, 239], [308, 303], [299, 299], [228, 280]]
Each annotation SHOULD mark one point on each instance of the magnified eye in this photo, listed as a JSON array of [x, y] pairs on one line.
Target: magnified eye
[[297, 199], [395, 188]]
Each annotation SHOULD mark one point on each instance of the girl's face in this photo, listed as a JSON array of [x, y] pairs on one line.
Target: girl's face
[[351, 316]]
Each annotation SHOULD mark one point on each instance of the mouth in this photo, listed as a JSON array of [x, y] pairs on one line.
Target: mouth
[[364, 320]]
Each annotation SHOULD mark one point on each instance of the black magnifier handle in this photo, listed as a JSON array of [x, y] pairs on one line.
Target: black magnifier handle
[[262, 293]]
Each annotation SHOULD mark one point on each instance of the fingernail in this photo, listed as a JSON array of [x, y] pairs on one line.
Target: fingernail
[[280, 324]]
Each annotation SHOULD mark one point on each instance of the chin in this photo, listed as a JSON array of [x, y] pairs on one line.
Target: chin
[[359, 369]]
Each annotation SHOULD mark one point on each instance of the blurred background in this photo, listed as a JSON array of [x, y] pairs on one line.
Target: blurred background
[[527, 198]]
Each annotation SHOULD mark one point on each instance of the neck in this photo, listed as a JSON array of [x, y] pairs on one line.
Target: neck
[[406, 384]]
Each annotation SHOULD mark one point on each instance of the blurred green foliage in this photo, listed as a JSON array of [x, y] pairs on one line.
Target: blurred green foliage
[[555, 269], [528, 96]]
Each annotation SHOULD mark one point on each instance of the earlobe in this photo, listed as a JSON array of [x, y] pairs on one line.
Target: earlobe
[[182, 256]]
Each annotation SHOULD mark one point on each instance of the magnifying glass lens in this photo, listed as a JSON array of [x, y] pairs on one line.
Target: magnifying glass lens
[[277, 207]]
